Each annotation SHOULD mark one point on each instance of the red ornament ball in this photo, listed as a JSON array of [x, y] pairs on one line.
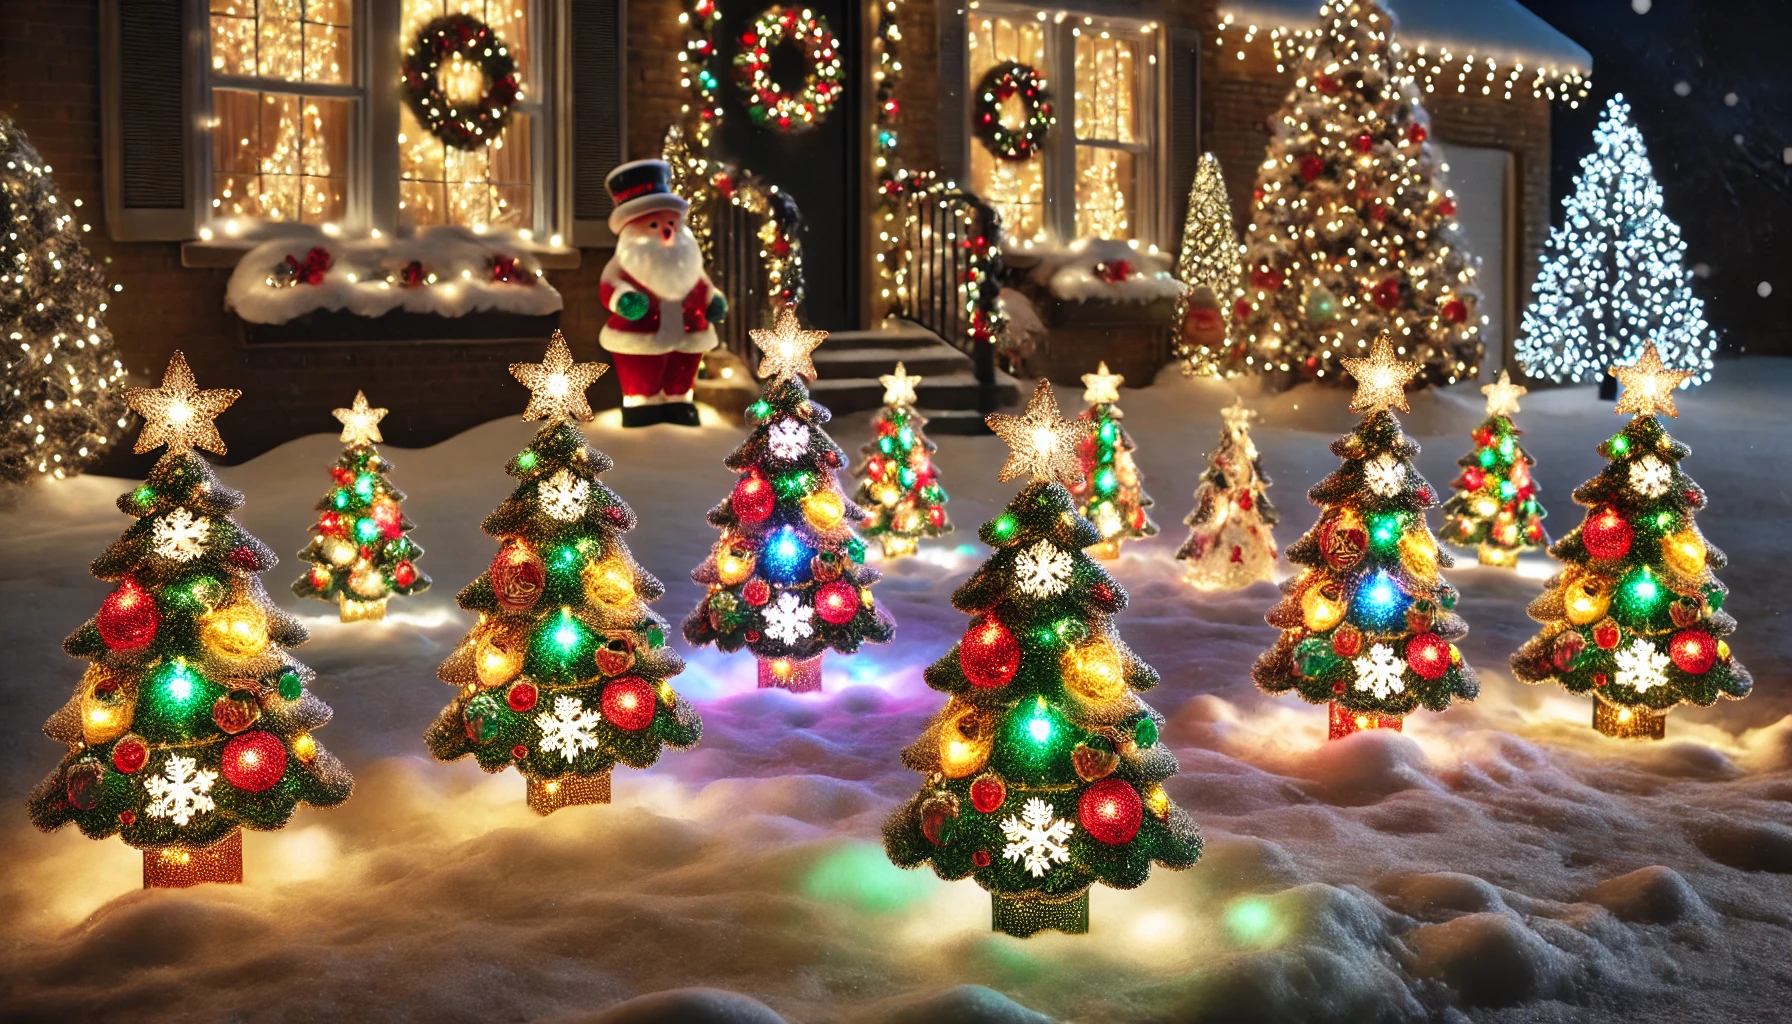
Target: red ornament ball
[[519, 751], [130, 754], [1428, 655], [522, 696], [628, 703], [1242, 309], [989, 654], [1607, 635], [127, 816], [1386, 294], [1364, 142], [1607, 534], [1416, 132], [1446, 206], [1347, 641], [1311, 167], [1693, 651], [980, 858], [1267, 278], [1111, 810], [518, 577], [254, 761], [753, 498], [988, 793], [404, 573], [1455, 311], [837, 602], [129, 617], [756, 592], [936, 515]]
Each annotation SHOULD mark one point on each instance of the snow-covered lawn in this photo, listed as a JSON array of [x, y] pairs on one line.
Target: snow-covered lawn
[[1498, 862]]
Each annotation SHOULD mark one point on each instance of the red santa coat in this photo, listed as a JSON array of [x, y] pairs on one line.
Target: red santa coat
[[671, 324]]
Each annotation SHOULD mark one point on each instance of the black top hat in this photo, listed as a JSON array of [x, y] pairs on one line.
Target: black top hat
[[641, 186]]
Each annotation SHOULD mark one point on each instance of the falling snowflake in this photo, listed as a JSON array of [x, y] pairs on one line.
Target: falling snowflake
[[787, 619], [569, 728], [1042, 570], [181, 791], [1649, 477], [789, 440], [1641, 667], [180, 536], [564, 496], [1385, 475], [1379, 672], [1036, 838]]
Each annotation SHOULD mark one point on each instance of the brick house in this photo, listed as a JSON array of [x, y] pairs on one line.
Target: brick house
[[192, 131]]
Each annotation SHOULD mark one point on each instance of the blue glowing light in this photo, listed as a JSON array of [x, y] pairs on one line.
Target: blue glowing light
[[786, 557], [366, 530], [1378, 602]]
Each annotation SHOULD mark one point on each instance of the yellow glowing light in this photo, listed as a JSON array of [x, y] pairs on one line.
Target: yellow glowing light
[[1684, 552], [1588, 598], [498, 656], [304, 747], [965, 742], [237, 631], [1095, 671], [781, 668], [609, 582], [1319, 612], [824, 510]]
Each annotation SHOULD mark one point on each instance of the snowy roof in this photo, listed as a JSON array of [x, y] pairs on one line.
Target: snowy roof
[[1502, 29]]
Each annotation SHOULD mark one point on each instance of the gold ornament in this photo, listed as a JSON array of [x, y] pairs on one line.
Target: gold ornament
[[107, 706], [1648, 385], [339, 551], [360, 425], [608, 582], [304, 747], [1684, 553], [1322, 606], [824, 510], [1418, 552], [235, 631], [1102, 387], [1586, 599], [1095, 672], [557, 384], [498, 655], [1041, 442], [787, 347], [965, 742], [1380, 379], [367, 582], [734, 563], [899, 387], [1157, 801], [1503, 395], [178, 414]]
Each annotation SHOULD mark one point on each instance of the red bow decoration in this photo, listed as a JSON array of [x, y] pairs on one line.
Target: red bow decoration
[[312, 271], [509, 270], [1115, 271]]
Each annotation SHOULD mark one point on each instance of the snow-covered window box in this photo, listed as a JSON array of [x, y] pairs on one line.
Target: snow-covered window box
[[1093, 302]]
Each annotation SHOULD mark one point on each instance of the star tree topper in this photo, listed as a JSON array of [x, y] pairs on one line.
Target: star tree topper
[[178, 414], [1503, 395], [1380, 380], [557, 384], [1648, 385], [1041, 441], [899, 387], [787, 347], [1102, 387], [1237, 418], [360, 425]]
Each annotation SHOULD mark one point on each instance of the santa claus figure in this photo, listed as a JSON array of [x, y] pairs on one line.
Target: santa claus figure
[[662, 305]]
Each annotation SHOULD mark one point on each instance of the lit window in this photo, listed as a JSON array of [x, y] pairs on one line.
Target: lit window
[[1015, 187], [1109, 145]]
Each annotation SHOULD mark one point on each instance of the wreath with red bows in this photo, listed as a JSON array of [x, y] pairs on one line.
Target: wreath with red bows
[[998, 85], [453, 39], [771, 105]]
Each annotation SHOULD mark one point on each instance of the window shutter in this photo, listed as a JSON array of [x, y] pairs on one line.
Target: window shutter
[[1184, 122], [599, 31], [143, 58], [954, 114]]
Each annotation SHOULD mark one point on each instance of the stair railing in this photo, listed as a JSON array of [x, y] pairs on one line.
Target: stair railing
[[948, 271]]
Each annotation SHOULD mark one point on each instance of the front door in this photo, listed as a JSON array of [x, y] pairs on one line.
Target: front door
[[818, 166]]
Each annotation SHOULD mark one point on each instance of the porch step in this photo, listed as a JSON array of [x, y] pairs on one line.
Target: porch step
[[935, 360], [901, 334], [850, 362], [935, 397]]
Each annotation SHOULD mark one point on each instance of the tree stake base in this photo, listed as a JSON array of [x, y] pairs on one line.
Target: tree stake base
[[362, 611], [1496, 557], [790, 674], [898, 547], [1021, 916], [1628, 723], [1344, 722], [176, 867], [549, 795]]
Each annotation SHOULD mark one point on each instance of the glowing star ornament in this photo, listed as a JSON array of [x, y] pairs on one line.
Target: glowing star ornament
[[1102, 387], [178, 414], [557, 384], [787, 347], [1041, 442], [1380, 380], [899, 387], [1503, 395], [360, 424], [1648, 385]]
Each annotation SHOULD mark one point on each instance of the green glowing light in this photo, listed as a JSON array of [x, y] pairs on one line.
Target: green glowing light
[[907, 476], [180, 685], [1106, 481], [364, 485], [1485, 456], [1385, 530], [1620, 444], [1506, 447], [568, 555], [366, 530], [905, 437], [1663, 520], [1107, 431], [339, 499], [1004, 527], [885, 445], [760, 410], [525, 460], [142, 495], [566, 635], [861, 876], [1251, 921], [793, 485], [1039, 727], [1507, 490]]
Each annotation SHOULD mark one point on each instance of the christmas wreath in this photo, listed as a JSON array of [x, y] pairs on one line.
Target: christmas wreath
[[460, 41], [771, 105], [998, 84]]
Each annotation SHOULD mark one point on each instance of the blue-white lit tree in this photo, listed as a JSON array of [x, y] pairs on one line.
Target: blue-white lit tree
[[1612, 278]]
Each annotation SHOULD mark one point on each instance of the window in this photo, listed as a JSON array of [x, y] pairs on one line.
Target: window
[[1096, 176]]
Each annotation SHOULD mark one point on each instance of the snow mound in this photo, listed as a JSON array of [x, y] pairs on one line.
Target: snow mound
[[1651, 895], [687, 1006], [1364, 768], [960, 1004], [1075, 274], [1747, 846], [1489, 959]]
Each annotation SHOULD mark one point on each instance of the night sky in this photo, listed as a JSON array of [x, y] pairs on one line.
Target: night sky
[[1723, 168]]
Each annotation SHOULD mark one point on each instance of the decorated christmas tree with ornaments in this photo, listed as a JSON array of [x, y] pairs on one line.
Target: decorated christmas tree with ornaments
[[1230, 540], [900, 485], [787, 577], [1109, 492], [360, 551], [1044, 770], [1209, 264], [193, 720], [1353, 234], [1495, 510], [567, 672], [1368, 626], [1636, 618]]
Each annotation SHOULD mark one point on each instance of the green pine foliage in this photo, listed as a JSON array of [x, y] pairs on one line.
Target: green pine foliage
[[900, 488], [1495, 509], [360, 550]]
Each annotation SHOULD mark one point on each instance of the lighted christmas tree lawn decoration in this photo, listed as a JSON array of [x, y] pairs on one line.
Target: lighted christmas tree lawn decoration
[[1210, 264], [1368, 626], [361, 553], [1612, 277], [900, 486], [567, 672], [192, 721], [1495, 510], [1636, 617], [786, 577], [1231, 543], [1044, 770], [1109, 492], [1353, 234]]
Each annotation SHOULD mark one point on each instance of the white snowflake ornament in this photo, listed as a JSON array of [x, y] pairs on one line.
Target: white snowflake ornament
[[569, 729], [564, 496], [1379, 672], [180, 535], [1037, 838], [1650, 477], [1385, 475], [181, 791], [788, 439], [1042, 570], [787, 619], [1641, 667]]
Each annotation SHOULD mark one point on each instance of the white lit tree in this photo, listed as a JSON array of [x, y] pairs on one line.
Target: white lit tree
[[1612, 278], [1353, 235], [1209, 265]]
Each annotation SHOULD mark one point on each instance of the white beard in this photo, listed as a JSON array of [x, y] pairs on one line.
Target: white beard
[[668, 271]]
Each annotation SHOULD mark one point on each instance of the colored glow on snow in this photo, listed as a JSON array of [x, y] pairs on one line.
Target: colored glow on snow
[[1251, 922], [861, 876]]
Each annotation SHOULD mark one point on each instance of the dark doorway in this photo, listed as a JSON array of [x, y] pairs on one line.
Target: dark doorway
[[819, 167]]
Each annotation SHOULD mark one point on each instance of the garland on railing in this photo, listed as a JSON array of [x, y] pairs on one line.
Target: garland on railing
[[698, 62], [977, 231], [698, 179]]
